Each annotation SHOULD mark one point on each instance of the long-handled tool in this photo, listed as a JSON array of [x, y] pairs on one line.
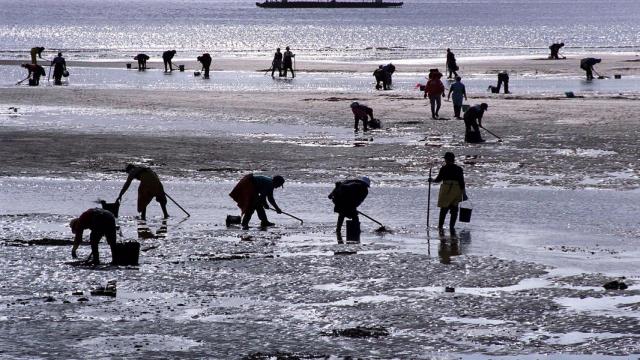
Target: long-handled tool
[[178, 205], [49, 77], [291, 216], [429, 199], [599, 76], [382, 228], [490, 132], [23, 80]]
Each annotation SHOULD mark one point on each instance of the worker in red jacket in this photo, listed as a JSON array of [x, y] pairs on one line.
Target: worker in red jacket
[[435, 91]]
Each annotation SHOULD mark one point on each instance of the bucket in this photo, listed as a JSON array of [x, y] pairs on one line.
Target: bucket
[[196, 73], [353, 230], [32, 82], [128, 65], [466, 107], [233, 220], [465, 213], [617, 76], [111, 207], [181, 67], [126, 253]]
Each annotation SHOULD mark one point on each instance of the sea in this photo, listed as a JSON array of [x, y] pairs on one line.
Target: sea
[[115, 29]]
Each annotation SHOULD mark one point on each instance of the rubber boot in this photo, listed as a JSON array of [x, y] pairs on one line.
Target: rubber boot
[[452, 219], [443, 215]]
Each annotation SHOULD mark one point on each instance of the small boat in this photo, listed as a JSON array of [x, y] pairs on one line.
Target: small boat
[[331, 4]]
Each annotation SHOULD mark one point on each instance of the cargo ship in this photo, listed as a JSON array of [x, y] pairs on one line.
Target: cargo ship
[[331, 4]]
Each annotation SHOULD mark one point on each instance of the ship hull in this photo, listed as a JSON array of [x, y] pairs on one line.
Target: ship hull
[[327, 5]]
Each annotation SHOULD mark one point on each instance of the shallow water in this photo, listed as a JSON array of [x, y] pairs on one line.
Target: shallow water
[[421, 28], [562, 233], [330, 83], [189, 298]]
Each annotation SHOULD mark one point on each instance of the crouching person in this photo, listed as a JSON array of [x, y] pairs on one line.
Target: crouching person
[[347, 196], [101, 223], [251, 193]]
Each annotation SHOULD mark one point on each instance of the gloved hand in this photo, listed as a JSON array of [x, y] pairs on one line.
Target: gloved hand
[[464, 196], [425, 95], [73, 254], [279, 211], [430, 180], [266, 206]]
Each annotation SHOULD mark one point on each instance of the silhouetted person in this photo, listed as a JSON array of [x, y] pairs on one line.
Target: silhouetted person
[[59, 67], [435, 91], [452, 66], [35, 72], [252, 193], [276, 63], [503, 77], [287, 62], [361, 112], [205, 60], [36, 52], [555, 49], [150, 187], [459, 92], [101, 223], [587, 64], [142, 61], [452, 191], [389, 69], [346, 197], [473, 122], [167, 57], [380, 76]]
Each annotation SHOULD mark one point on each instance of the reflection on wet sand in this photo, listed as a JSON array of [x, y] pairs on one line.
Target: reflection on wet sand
[[453, 245], [144, 231]]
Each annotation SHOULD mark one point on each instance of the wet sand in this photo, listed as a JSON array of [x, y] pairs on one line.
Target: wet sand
[[553, 221]]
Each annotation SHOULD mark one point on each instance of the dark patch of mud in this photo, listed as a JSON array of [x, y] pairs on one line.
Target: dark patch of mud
[[358, 332], [286, 356], [40, 242]]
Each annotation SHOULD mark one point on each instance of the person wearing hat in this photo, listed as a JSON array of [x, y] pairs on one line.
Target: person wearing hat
[[167, 58], [36, 52], [276, 63], [101, 223], [555, 49], [435, 91], [150, 187], [252, 193], [205, 60], [362, 113], [142, 61], [452, 191], [287, 62], [347, 196], [34, 72], [389, 69], [473, 123], [587, 64], [59, 67]]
